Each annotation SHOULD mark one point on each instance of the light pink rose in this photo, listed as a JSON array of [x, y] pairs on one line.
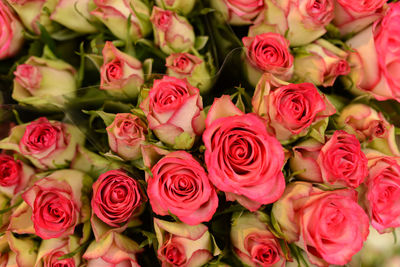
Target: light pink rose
[[382, 192], [290, 109], [11, 38], [51, 250], [126, 134], [172, 33], [239, 12], [14, 175], [376, 58], [182, 245], [338, 162], [300, 21], [174, 109], [267, 52], [117, 201], [254, 244], [329, 225], [112, 250], [120, 74], [114, 15], [351, 18], [56, 202], [369, 126], [242, 158], [180, 185], [16, 252]]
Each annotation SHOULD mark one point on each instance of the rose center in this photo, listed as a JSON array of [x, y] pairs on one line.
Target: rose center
[[114, 70], [118, 194]]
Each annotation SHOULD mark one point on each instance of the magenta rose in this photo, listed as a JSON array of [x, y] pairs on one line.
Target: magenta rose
[[329, 225], [351, 18], [382, 192], [117, 200], [126, 134], [290, 109], [180, 185], [174, 109], [376, 60], [56, 202], [242, 158], [239, 12], [268, 52], [14, 175], [11, 38]]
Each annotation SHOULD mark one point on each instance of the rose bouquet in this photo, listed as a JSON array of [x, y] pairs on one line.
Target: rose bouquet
[[185, 133]]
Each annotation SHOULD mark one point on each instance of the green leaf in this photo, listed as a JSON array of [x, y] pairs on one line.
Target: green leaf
[[317, 131], [108, 118], [73, 253], [81, 71], [333, 31], [200, 42], [11, 207], [46, 39]]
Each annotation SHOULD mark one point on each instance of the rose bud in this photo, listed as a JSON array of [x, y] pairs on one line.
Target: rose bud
[[191, 67], [75, 15], [16, 252], [14, 175], [351, 18], [267, 52], [172, 33], [126, 135], [242, 158], [114, 15], [382, 191], [180, 186], [47, 144], [369, 126], [341, 228], [33, 12], [322, 63], [338, 162], [183, 7], [242, 12], [121, 75], [180, 244], [56, 203], [112, 250], [254, 244], [44, 83], [117, 202], [290, 109], [11, 38], [174, 111], [51, 250], [375, 58], [301, 22]]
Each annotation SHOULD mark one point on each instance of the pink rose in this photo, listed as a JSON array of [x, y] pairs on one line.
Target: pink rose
[[376, 59], [51, 250], [382, 192], [126, 134], [301, 21], [182, 245], [11, 38], [369, 126], [290, 109], [121, 74], [268, 52], [117, 200], [56, 202], [14, 175], [239, 12], [338, 162], [174, 110], [239, 156], [172, 33], [254, 244], [47, 144], [351, 18], [180, 185], [113, 250], [114, 15], [329, 225]]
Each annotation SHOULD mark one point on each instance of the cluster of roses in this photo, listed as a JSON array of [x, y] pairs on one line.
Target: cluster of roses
[[308, 173]]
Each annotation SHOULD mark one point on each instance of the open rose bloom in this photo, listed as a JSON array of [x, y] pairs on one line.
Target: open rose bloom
[[11, 38]]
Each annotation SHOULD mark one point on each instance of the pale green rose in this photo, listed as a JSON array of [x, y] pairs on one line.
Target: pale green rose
[[52, 249], [184, 7], [15, 251]]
